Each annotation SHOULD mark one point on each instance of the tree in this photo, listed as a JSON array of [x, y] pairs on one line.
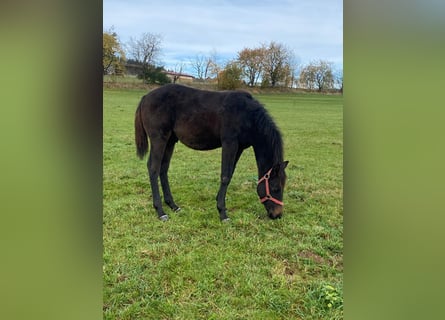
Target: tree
[[198, 64], [339, 80], [289, 77], [292, 71], [317, 74], [205, 66], [230, 77], [307, 77], [177, 71], [113, 57], [213, 66], [251, 61], [276, 63], [324, 77], [146, 49]]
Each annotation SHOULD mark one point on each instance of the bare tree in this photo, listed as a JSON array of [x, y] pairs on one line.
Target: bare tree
[[205, 66], [146, 49], [198, 64], [213, 67], [339, 79], [177, 71], [294, 66]]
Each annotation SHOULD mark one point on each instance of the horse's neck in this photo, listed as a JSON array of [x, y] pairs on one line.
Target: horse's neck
[[264, 158], [267, 144]]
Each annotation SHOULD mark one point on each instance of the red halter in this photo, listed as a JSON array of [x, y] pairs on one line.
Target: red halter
[[268, 196]]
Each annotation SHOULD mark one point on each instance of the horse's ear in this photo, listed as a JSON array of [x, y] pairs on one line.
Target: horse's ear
[[279, 167], [284, 165]]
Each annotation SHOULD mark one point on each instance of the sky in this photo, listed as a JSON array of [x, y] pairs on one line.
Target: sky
[[312, 29]]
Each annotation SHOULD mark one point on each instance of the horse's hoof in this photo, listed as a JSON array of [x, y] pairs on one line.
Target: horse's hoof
[[226, 220], [163, 217], [177, 209]]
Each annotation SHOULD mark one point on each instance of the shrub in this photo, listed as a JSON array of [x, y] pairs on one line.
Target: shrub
[[154, 75], [230, 77]]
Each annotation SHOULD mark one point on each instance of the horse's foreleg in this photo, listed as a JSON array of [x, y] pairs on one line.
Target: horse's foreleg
[[154, 166], [230, 156], [168, 198]]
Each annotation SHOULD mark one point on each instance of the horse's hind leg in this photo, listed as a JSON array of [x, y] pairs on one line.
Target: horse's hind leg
[[157, 149], [168, 198]]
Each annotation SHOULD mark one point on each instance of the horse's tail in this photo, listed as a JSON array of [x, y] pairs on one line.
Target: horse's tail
[[140, 134]]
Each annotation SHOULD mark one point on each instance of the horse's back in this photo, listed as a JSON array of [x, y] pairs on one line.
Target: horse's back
[[199, 118], [192, 115]]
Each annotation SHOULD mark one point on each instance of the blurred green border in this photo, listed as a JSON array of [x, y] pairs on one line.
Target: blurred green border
[[51, 147], [394, 159]]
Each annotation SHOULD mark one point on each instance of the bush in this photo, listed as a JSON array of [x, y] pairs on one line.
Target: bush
[[230, 77], [154, 75]]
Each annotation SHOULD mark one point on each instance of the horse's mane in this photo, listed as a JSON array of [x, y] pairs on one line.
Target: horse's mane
[[269, 132]]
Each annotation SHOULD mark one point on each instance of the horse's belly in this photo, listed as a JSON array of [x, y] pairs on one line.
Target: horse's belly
[[199, 140], [200, 144], [200, 131]]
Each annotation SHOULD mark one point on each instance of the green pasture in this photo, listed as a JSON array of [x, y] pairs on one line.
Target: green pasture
[[195, 267]]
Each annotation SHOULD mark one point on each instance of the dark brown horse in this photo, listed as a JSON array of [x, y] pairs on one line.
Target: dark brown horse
[[205, 120]]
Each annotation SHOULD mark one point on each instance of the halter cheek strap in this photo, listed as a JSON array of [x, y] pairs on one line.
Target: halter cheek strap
[[268, 196]]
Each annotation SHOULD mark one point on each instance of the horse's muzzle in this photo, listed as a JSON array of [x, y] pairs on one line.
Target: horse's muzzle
[[276, 213]]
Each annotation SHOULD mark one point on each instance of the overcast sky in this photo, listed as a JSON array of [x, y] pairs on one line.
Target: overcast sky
[[313, 29]]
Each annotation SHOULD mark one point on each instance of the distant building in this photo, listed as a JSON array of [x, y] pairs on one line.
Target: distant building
[[133, 69], [176, 76]]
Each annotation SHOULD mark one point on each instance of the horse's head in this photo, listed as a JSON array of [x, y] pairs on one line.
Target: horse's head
[[270, 190]]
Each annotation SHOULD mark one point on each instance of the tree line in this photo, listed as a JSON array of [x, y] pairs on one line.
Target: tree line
[[270, 64]]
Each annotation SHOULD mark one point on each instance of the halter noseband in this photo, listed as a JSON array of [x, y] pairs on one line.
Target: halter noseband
[[268, 196]]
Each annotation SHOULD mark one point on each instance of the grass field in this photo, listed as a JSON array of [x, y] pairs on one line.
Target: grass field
[[194, 266]]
